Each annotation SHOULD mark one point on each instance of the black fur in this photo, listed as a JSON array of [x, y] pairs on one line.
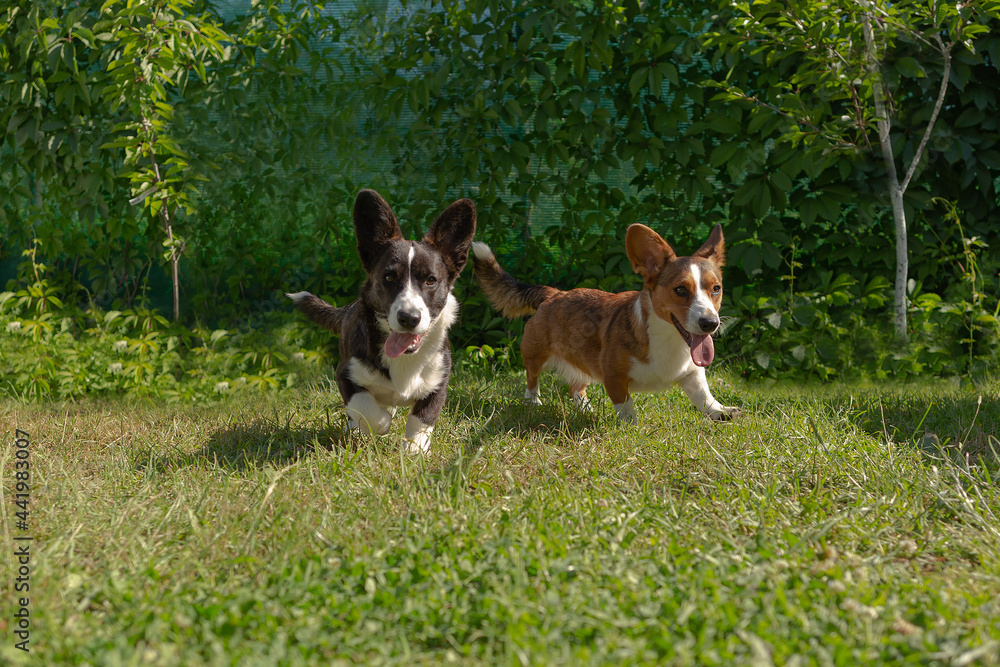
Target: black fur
[[363, 325]]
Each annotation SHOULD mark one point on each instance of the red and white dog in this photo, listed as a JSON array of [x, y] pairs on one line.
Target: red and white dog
[[633, 341]]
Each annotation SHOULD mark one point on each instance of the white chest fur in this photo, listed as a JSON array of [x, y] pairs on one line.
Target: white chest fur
[[411, 376], [669, 356]]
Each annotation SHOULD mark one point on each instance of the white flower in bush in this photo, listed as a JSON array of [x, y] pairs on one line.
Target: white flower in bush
[[13, 326], [115, 368], [855, 607], [120, 345], [221, 386], [299, 356]]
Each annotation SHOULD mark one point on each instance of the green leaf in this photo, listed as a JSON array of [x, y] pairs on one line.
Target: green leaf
[[723, 152], [637, 80], [910, 67], [669, 72]]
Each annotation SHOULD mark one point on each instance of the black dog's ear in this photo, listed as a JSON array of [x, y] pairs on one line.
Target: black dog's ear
[[452, 234], [375, 225]]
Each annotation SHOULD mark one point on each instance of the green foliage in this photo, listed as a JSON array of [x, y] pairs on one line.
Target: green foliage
[[799, 74], [840, 330], [564, 121], [538, 102], [156, 46], [832, 74], [52, 351], [154, 49], [52, 111], [816, 78]]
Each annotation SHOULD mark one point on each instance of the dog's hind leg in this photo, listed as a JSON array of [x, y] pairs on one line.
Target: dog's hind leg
[[579, 393], [535, 351], [532, 392]]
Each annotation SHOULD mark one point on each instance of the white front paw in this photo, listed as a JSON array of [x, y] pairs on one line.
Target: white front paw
[[723, 413], [365, 414], [626, 412], [628, 418], [418, 436]]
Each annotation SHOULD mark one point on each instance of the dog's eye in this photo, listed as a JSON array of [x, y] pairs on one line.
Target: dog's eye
[[431, 280], [716, 289], [389, 277], [681, 291]]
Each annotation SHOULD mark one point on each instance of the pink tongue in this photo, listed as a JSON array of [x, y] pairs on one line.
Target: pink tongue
[[702, 350], [397, 343]]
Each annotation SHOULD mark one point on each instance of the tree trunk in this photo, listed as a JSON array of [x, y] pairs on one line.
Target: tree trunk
[[895, 191], [174, 261], [175, 254], [902, 253]]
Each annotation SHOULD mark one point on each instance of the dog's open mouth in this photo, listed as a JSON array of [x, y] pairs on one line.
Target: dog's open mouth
[[702, 346], [398, 344]]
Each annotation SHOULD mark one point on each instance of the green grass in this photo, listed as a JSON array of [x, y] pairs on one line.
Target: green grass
[[821, 528]]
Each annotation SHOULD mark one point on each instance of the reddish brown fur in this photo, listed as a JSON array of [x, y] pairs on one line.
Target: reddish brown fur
[[507, 294], [599, 333], [664, 297], [595, 332]]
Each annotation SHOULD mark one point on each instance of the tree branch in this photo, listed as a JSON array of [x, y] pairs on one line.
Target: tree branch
[[799, 121], [946, 53], [138, 199]]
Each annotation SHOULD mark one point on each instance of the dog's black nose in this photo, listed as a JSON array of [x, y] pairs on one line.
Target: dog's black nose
[[408, 320], [708, 324]]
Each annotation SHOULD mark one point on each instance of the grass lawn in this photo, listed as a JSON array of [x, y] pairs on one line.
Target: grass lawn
[[820, 528]]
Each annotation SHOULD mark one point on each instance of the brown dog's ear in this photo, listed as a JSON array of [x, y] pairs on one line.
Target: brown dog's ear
[[452, 234], [648, 252], [375, 225], [714, 248]]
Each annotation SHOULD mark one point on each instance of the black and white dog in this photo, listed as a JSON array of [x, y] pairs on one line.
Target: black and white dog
[[394, 346]]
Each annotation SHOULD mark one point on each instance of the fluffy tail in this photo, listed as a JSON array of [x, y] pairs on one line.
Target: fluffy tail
[[319, 311], [508, 295]]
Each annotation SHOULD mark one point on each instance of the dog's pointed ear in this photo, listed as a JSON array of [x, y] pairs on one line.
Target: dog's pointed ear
[[714, 248], [375, 225], [452, 234], [648, 252]]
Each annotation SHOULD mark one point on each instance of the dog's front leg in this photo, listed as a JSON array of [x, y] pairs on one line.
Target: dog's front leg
[[695, 385], [364, 413], [617, 388], [423, 416]]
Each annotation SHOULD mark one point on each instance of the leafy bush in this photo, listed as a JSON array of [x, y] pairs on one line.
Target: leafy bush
[[68, 353], [564, 121], [843, 330]]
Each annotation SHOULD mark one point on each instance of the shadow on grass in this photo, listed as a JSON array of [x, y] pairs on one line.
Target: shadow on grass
[[482, 409], [478, 423], [512, 417], [929, 418], [240, 445]]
